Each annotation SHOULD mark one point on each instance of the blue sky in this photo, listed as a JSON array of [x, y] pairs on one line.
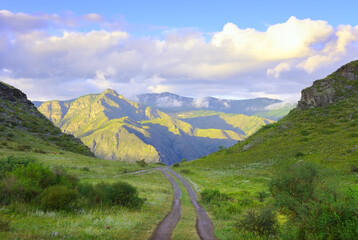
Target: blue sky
[[207, 16], [236, 49]]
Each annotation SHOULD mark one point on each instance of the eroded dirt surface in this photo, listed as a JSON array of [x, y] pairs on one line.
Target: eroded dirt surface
[[166, 226], [204, 226]]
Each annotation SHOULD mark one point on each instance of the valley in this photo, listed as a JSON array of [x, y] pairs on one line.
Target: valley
[[115, 128], [291, 179]]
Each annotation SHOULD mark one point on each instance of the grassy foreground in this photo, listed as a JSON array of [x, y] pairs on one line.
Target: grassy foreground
[[327, 137], [25, 221]]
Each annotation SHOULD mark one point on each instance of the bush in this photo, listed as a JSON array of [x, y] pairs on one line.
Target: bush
[[119, 193], [262, 222], [58, 198], [299, 154], [176, 165], [24, 147], [185, 171], [354, 169], [315, 207], [213, 196], [10, 163], [142, 163], [61, 177], [25, 182], [261, 196], [4, 226]]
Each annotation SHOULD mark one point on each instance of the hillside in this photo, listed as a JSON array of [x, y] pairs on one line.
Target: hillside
[[172, 103], [118, 129], [323, 130], [24, 128]]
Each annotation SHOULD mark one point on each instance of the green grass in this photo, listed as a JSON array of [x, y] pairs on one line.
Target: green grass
[[28, 222], [186, 226], [325, 136]]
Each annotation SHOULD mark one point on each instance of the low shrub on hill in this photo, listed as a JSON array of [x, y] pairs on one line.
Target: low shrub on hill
[[213, 196], [118, 193], [58, 198], [314, 204], [24, 180]]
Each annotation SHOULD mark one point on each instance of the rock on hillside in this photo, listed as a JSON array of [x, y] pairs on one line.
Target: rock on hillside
[[339, 85], [21, 124]]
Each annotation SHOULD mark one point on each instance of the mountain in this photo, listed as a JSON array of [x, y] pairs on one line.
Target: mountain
[[118, 129], [322, 130], [173, 103], [24, 128]]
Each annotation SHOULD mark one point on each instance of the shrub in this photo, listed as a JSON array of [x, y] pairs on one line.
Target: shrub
[[261, 196], [4, 226], [86, 169], [354, 169], [123, 194], [142, 163], [299, 154], [58, 198], [10, 163], [213, 196], [315, 207], [24, 147], [26, 182], [185, 171], [176, 165], [261, 222], [61, 177], [119, 193], [184, 160]]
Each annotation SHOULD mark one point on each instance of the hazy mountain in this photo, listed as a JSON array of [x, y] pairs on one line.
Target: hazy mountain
[[173, 103], [116, 128]]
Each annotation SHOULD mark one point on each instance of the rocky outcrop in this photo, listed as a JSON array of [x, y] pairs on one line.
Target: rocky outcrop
[[339, 85], [12, 94], [21, 118]]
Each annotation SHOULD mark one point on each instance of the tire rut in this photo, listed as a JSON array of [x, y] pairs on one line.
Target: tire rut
[[166, 226], [204, 226]]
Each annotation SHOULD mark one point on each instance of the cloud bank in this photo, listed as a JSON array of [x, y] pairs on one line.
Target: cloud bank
[[57, 57]]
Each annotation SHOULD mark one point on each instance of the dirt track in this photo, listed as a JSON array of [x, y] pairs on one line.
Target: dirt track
[[204, 226], [166, 226]]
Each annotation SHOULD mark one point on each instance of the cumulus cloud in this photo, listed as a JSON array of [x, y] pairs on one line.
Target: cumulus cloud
[[278, 69], [236, 62]]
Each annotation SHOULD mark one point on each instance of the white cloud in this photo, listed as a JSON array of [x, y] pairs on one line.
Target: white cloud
[[278, 69], [236, 62], [201, 103]]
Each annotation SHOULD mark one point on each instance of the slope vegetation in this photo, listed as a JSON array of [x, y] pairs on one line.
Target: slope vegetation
[[322, 130], [24, 128], [118, 129]]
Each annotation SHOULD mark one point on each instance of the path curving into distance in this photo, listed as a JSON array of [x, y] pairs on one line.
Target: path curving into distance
[[166, 226], [204, 226]]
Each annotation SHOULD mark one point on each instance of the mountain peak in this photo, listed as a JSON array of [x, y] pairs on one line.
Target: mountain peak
[[110, 91], [341, 84]]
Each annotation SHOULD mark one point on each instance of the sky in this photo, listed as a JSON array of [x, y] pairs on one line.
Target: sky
[[226, 49]]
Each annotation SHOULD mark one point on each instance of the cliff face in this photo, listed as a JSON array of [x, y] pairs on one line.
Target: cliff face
[[339, 85]]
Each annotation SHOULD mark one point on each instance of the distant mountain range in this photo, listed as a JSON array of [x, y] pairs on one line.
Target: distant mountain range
[[116, 128], [173, 103]]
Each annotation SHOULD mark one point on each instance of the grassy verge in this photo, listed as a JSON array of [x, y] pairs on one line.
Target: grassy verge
[[24, 221], [186, 226]]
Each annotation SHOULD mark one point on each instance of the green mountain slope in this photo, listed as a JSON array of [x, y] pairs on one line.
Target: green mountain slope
[[323, 129], [24, 128], [118, 129]]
